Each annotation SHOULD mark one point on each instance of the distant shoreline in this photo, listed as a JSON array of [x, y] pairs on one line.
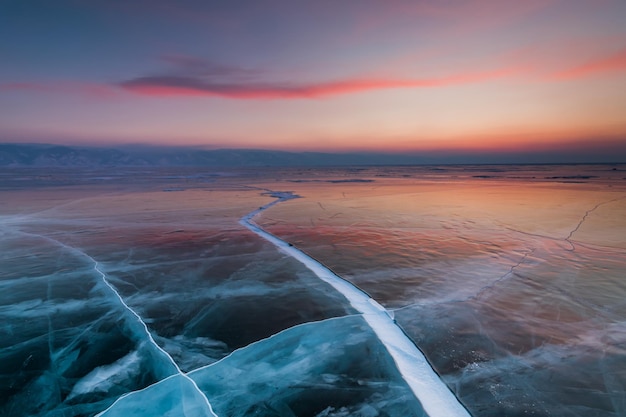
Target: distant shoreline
[[49, 155]]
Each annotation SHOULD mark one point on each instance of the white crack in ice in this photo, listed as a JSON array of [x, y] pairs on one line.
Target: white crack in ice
[[166, 356], [427, 386], [152, 341]]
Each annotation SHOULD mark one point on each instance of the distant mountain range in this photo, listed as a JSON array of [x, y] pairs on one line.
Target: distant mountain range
[[44, 155], [47, 155]]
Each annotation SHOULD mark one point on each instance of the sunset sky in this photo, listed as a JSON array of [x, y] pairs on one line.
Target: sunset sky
[[409, 76]]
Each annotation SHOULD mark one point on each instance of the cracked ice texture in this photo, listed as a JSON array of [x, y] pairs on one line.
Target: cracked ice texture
[[510, 279], [512, 286], [84, 270], [58, 328], [335, 367]]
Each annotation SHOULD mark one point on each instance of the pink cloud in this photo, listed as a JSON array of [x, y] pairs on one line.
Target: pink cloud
[[220, 82], [189, 86], [612, 63]]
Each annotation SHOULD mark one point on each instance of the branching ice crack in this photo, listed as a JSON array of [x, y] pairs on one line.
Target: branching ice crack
[[160, 351], [480, 291], [277, 334], [152, 341], [251, 345], [567, 239], [582, 220]]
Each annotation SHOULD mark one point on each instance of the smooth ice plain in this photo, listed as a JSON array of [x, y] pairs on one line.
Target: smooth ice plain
[[195, 292]]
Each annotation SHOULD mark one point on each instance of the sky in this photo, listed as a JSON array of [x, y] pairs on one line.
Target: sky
[[471, 76]]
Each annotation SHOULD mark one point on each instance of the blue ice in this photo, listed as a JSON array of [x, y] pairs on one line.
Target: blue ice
[[336, 367]]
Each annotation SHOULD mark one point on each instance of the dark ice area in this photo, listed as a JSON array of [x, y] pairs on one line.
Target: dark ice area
[[334, 367]]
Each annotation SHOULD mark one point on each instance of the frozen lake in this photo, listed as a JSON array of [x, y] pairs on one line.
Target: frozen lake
[[149, 291]]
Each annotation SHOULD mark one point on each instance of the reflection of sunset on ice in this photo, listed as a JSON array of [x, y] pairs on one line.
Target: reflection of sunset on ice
[[507, 278]]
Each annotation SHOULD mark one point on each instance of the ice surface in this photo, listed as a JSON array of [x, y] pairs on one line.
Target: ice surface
[[161, 363], [169, 293], [498, 276], [509, 279], [173, 396], [334, 367], [104, 378], [57, 328], [202, 309], [435, 397]]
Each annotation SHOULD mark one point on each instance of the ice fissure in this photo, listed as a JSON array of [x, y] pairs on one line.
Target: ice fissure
[[426, 385], [209, 410], [482, 290], [171, 368], [261, 341], [568, 239]]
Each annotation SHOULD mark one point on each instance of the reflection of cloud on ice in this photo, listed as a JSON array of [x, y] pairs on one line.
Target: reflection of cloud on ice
[[103, 378]]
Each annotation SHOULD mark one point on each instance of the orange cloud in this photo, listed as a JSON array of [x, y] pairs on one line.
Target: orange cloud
[[193, 86]]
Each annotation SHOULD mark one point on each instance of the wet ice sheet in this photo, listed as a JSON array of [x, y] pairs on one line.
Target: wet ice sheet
[[492, 277]]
